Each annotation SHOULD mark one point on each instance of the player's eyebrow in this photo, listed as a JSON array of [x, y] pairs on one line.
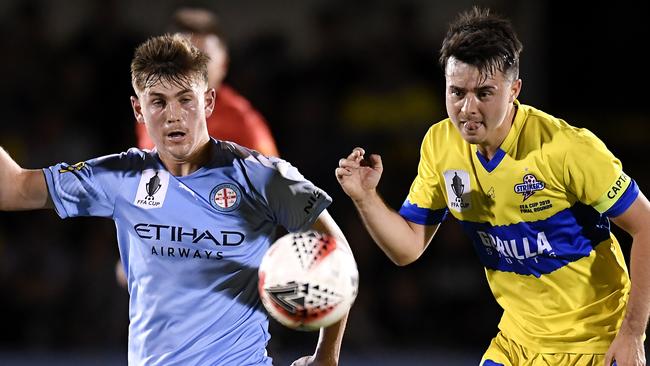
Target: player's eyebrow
[[186, 90], [158, 94], [478, 89], [485, 88]]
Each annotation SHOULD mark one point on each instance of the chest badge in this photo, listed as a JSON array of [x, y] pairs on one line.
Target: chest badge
[[225, 197], [458, 190], [529, 186], [152, 189], [490, 193]]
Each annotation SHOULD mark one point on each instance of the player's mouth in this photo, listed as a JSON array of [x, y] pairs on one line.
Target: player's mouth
[[176, 136], [471, 126]]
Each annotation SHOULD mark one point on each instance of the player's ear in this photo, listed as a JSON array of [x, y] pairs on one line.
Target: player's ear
[[137, 109], [210, 97], [515, 89]]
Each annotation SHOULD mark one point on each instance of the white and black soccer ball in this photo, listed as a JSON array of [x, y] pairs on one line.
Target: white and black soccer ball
[[308, 280]]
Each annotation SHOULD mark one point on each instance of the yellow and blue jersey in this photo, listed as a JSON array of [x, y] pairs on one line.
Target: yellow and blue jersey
[[537, 214]]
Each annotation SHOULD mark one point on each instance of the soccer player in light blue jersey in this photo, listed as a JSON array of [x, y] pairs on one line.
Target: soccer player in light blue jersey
[[194, 217], [536, 196]]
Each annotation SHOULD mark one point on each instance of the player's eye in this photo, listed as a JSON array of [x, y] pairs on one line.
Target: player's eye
[[158, 102], [456, 93]]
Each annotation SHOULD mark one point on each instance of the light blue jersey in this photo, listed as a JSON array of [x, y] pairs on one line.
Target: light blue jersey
[[191, 245]]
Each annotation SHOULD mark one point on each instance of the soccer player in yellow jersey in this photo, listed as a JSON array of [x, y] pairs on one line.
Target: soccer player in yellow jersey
[[536, 196]]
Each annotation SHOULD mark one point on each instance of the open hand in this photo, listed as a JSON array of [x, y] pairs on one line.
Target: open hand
[[359, 176], [626, 349]]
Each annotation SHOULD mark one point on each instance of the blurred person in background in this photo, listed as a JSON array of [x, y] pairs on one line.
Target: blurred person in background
[[192, 286], [536, 196]]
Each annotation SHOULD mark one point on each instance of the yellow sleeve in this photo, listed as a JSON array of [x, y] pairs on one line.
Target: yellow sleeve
[[426, 190], [591, 172]]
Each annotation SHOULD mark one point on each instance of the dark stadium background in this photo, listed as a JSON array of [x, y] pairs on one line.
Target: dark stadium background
[[328, 76]]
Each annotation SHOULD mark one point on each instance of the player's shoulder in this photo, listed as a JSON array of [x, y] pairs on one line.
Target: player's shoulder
[[443, 136], [441, 128], [257, 164], [556, 129], [131, 159], [245, 155]]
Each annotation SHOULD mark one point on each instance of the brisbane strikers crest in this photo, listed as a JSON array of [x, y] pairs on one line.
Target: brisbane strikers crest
[[225, 197], [529, 186]]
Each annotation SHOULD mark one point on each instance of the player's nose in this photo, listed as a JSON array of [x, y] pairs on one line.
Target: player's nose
[[173, 112], [469, 105]]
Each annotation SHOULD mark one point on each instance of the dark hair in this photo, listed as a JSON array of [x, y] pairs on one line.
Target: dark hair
[[483, 40], [168, 58]]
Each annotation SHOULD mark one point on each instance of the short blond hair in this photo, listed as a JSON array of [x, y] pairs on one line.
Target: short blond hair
[[170, 58]]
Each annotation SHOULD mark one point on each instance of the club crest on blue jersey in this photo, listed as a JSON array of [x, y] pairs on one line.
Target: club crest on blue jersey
[[529, 186], [225, 197]]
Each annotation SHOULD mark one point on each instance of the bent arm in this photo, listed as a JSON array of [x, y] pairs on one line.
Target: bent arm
[[21, 189], [627, 347], [636, 221], [328, 348], [402, 241]]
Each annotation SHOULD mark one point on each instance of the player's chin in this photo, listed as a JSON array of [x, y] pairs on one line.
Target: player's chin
[[472, 138], [178, 151]]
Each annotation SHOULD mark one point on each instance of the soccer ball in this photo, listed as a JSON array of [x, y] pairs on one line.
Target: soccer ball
[[308, 280]]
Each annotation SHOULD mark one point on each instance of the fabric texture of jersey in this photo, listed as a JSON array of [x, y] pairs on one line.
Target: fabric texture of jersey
[[191, 245], [537, 214], [505, 352], [233, 119]]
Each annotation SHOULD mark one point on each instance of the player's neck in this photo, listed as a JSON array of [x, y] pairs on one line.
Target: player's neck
[[190, 164]]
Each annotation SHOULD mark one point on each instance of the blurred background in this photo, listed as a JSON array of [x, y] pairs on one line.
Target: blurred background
[[327, 76]]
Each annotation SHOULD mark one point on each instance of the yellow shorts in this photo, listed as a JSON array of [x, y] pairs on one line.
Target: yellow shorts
[[505, 352]]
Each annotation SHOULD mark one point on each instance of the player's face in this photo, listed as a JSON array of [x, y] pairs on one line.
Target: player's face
[[175, 117], [481, 108]]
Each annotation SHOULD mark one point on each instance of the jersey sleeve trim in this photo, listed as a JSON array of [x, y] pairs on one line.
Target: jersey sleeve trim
[[625, 200], [422, 216], [319, 207], [58, 205], [613, 194]]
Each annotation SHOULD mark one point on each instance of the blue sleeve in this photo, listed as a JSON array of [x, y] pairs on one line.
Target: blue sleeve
[[87, 188], [293, 201], [625, 201], [422, 216]]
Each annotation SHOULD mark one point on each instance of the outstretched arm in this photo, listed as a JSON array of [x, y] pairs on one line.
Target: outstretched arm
[[402, 241], [627, 348], [21, 189], [328, 348]]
